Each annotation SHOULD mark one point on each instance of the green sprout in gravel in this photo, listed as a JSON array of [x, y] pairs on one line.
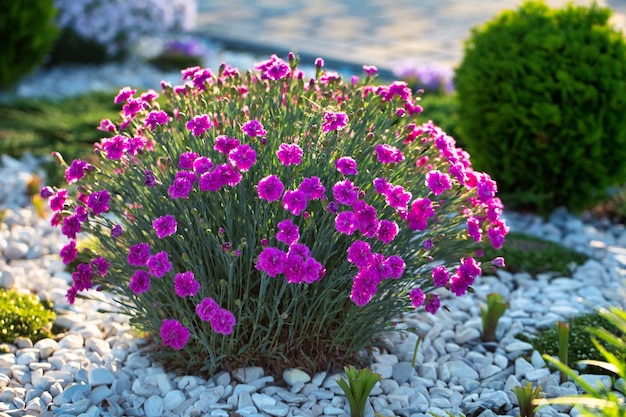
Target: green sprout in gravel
[[357, 389], [23, 315], [490, 315], [526, 397]]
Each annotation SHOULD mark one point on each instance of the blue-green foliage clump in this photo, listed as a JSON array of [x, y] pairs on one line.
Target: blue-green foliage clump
[[27, 31], [542, 98]]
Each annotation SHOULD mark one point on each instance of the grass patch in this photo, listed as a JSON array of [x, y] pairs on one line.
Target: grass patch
[[525, 253], [69, 126], [581, 346]]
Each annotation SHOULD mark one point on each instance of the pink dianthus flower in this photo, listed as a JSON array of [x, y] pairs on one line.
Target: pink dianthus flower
[[253, 128], [165, 226], [277, 70], [159, 264], [68, 252], [397, 197], [132, 107], [345, 192], [440, 275], [473, 228], [57, 201], [82, 277], [106, 125], [186, 160], [98, 201], [388, 154], [438, 182], [123, 95], [363, 288], [312, 188], [207, 309], [294, 201], [421, 211], [115, 147], [156, 117], [222, 322], [288, 232], [370, 70], [224, 144], [77, 170], [243, 157], [497, 232], [346, 166], [199, 124], [101, 265], [139, 282], [71, 226], [486, 188], [289, 154], [396, 266], [417, 297], [202, 164], [182, 185], [138, 254], [346, 223], [432, 303], [313, 270], [185, 284], [387, 231], [270, 188], [174, 334], [360, 254], [272, 261], [334, 121]]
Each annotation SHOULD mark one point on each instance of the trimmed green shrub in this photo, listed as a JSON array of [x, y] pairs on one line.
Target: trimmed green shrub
[[23, 315], [28, 32], [542, 98]]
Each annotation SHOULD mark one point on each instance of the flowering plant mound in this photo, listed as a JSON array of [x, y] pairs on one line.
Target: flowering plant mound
[[265, 218]]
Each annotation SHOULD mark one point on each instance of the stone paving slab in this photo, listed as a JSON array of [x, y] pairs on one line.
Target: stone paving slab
[[355, 32]]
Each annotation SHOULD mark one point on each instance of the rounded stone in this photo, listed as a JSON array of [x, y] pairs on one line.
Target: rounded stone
[[293, 376], [153, 407]]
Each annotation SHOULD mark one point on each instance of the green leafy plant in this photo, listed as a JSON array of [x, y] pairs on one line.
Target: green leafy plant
[[526, 253], [600, 400], [581, 346], [24, 315], [543, 90], [28, 31], [526, 398], [272, 219], [39, 126], [490, 315], [562, 331], [360, 383]]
